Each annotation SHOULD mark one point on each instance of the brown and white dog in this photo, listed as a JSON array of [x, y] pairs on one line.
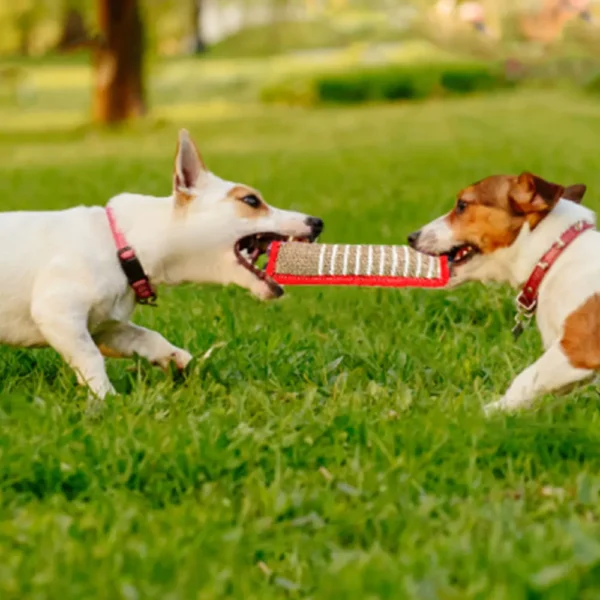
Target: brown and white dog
[[64, 286], [534, 235]]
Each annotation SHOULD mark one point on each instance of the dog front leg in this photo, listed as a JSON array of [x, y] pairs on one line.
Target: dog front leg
[[121, 340], [552, 372], [65, 329]]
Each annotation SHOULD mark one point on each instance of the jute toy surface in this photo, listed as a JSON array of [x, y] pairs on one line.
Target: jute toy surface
[[297, 263]]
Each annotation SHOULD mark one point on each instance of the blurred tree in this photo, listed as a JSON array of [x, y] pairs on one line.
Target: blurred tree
[[197, 7], [173, 26], [28, 13], [118, 62], [31, 27], [74, 33], [25, 25]]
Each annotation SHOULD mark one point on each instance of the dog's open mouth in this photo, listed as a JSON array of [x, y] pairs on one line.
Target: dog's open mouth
[[460, 255], [251, 248]]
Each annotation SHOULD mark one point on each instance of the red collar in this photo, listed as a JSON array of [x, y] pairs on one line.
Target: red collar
[[137, 278], [528, 297]]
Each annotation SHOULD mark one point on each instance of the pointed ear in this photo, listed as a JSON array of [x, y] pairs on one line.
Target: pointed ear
[[532, 194], [189, 168], [575, 193]]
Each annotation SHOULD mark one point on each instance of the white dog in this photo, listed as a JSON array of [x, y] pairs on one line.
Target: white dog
[[66, 287], [536, 236]]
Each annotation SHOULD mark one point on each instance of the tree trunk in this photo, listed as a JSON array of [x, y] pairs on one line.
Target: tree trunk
[[25, 24], [199, 45], [118, 62]]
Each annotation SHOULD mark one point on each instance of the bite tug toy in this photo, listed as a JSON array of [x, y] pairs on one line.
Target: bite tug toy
[[297, 263]]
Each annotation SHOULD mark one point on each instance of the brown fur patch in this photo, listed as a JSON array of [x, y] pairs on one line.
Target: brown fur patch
[[109, 352], [493, 210], [488, 220], [575, 193], [581, 336], [488, 228], [182, 200], [532, 194], [245, 211]]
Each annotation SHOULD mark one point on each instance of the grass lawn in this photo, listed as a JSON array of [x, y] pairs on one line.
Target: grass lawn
[[332, 445]]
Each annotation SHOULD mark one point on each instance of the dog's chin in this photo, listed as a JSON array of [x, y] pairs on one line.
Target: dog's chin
[[462, 258], [266, 290], [260, 285], [252, 254], [472, 270]]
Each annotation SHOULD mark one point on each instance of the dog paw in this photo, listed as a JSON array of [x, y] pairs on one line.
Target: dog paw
[[95, 405], [99, 391], [493, 408], [94, 408], [501, 406], [178, 358], [182, 359]]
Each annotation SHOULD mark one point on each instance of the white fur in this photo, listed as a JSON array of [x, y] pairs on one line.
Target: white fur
[[572, 279], [63, 285]]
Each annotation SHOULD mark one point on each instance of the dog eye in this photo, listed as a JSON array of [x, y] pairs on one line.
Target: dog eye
[[461, 206], [251, 200]]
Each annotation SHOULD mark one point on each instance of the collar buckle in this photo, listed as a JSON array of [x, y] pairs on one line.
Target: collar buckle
[[526, 305], [137, 278], [524, 314]]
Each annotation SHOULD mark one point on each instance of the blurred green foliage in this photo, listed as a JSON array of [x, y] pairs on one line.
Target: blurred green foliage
[[388, 83]]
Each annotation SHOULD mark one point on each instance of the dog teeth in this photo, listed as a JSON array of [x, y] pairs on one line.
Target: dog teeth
[[464, 251], [293, 238]]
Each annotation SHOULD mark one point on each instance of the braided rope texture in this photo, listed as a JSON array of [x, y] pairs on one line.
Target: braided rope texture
[[297, 263]]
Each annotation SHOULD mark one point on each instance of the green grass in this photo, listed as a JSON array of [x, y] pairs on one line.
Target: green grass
[[336, 435]]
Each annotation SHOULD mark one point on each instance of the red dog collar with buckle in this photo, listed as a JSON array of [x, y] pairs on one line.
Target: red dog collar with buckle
[[137, 278], [528, 297]]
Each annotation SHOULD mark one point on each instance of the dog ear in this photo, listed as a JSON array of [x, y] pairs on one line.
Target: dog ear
[[532, 194], [575, 193], [189, 168]]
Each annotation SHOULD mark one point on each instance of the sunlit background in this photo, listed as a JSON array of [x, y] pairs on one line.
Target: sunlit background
[[65, 63], [330, 445]]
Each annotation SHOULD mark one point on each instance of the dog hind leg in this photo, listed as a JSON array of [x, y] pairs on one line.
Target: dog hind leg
[[121, 340], [552, 372]]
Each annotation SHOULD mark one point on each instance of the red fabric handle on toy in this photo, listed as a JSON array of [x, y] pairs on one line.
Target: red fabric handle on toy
[[297, 263]]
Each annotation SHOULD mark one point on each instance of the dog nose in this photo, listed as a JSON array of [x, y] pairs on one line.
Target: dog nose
[[316, 225], [413, 238]]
